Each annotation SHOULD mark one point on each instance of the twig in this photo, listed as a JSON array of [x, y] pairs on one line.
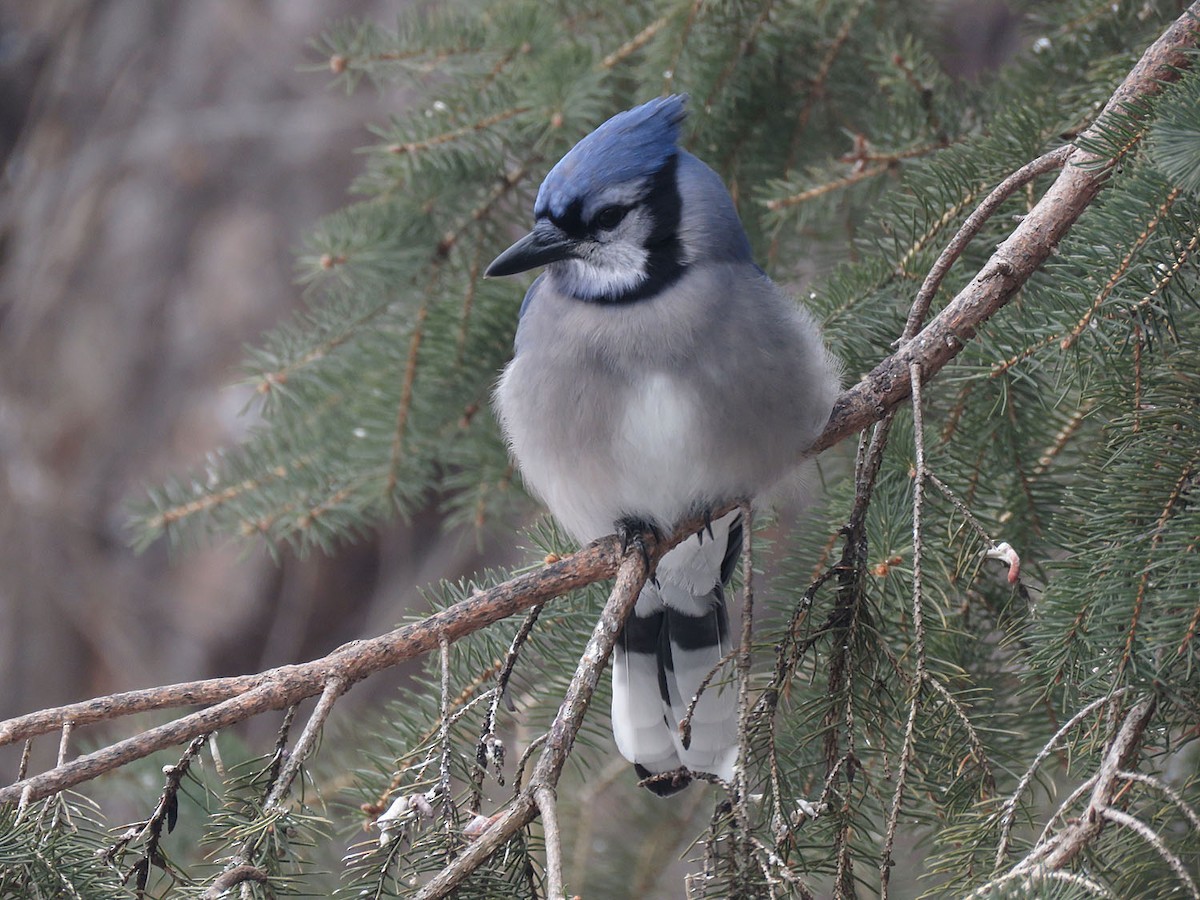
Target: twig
[[448, 811], [64, 741], [772, 864], [280, 754], [788, 653], [963, 510], [534, 746], [1173, 795], [417, 770], [837, 184], [741, 778], [977, 747], [635, 43], [1010, 807], [918, 612], [1122, 268], [489, 745], [886, 863], [544, 796], [1044, 841], [23, 766], [1047, 162], [165, 812], [868, 464], [334, 688], [918, 508], [1150, 836], [685, 724], [815, 91]]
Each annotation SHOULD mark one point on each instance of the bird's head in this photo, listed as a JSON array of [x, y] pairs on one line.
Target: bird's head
[[610, 217]]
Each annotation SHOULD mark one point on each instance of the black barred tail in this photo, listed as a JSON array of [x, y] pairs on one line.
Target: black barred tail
[[660, 664]]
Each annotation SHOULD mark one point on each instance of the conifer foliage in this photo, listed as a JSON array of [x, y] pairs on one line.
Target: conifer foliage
[[973, 667]]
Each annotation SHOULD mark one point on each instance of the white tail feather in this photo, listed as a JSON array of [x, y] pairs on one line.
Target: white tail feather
[[637, 712], [646, 724], [714, 737]]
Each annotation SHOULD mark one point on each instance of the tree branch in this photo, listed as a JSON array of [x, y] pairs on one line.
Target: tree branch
[[242, 697], [1053, 853], [1018, 257], [546, 798], [561, 736]]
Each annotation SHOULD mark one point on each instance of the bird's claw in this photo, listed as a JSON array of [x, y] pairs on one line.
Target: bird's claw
[[707, 513], [632, 532]]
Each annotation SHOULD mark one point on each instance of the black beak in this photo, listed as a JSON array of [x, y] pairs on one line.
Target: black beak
[[545, 244]]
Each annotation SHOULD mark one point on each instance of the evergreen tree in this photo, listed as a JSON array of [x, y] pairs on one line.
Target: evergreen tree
[[974, 663]]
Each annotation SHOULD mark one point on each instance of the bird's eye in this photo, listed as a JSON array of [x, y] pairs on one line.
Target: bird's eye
[[610, 217]]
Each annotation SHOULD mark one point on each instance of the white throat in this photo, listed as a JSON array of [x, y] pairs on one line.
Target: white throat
[[608, 270]]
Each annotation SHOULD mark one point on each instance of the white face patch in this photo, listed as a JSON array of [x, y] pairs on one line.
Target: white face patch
[[610, 264]]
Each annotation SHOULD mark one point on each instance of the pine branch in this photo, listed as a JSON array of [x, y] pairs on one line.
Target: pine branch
[[240, 698], [1018, 257], [1055, 852]]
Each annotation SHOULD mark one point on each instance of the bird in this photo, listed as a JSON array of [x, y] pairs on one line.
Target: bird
[[657, 374]]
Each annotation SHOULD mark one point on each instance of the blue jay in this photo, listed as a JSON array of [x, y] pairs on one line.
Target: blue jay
[[657, 373]]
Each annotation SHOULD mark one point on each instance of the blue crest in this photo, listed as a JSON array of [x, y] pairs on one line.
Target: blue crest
[[632, 144]]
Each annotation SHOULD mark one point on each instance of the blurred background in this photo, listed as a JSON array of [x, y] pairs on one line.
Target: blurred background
[[162, 163]]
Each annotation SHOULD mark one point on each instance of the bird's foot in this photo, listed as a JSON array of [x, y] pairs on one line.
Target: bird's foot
[[708, 520], [633, 531]]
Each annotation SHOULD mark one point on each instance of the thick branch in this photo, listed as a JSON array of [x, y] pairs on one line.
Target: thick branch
[[247, 696]]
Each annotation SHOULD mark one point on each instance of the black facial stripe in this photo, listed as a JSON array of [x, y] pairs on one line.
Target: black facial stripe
[[664, 263], [665, 205], [571, 221]]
